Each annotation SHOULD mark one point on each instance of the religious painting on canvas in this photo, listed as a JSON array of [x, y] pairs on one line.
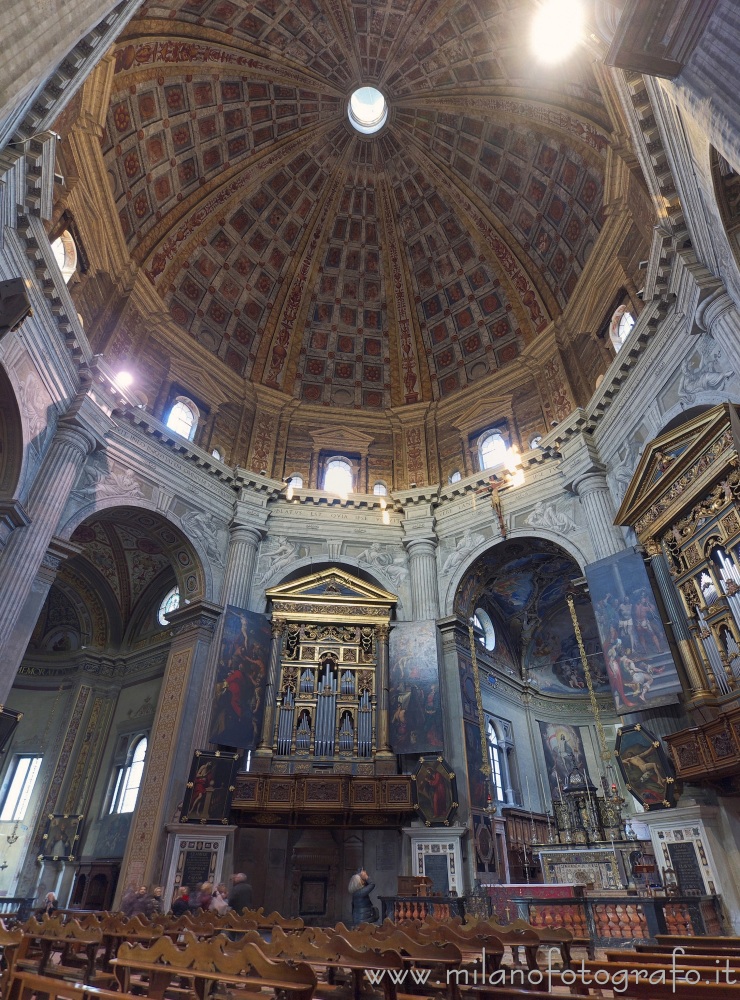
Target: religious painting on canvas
[[639, 663], [474, 760], [238, 708], [415, 706], [564, 755], [210, 787], [434, 791], [645, 768], [61, 837]]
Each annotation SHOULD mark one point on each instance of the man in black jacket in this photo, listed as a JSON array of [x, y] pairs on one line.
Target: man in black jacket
[[240, 897]]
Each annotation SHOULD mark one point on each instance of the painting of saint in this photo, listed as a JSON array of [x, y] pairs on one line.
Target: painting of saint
[[210, 787], [564, 755], [638, 658], [645, 768], [474, 758], [415, 707], [61, 837], [435, 791], [236, 719]]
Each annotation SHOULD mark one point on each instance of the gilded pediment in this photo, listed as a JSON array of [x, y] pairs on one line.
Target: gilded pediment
[[677, 467], [332, 585]]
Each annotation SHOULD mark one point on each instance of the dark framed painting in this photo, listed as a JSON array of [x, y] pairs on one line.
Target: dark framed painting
[[477, 787], [61, 837], [646, 768], [415, 706], [210, 787], [434, 791], [639, 663], [241, 675]]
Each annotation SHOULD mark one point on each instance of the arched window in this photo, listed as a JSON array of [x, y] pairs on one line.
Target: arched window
[[535, 441], [295, 481], [482, 622], [128, 778], [338, 477], [218, 454], [380, 489], [491, 450], [455, 476], [183, 417], [171, 602], [621, 324], [65, 252], [495, 751]]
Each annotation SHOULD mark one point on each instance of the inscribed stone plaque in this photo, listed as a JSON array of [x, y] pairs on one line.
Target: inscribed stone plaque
[[435, 866], [197, 868], [686, 866]]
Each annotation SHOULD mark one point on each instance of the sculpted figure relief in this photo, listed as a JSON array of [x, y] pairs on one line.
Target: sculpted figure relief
[[104, 484], [703, 374], [207, 529], [278, 555], [467, 544], [546, 515], [377, 556]]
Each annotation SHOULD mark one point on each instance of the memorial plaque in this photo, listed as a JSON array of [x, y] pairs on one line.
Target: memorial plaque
[[436, 867], [685, 864], [197, 868]]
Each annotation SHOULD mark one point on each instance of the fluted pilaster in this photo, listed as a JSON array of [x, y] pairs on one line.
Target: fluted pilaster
[[593, 491], [22, 557], [423, 570]]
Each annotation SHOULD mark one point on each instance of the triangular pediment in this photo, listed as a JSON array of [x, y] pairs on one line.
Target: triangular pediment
[[677, 467], [334, 586], [341, 439]]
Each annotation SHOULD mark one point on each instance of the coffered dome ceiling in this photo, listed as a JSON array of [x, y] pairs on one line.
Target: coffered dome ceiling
[[337, 267]]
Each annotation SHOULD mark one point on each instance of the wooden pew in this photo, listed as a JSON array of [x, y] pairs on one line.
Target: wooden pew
[[76, 947], [10, 942], [25, 985], [207, 963]]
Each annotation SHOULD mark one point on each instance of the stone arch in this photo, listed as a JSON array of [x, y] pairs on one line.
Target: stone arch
[[447, 603], [189, 557]]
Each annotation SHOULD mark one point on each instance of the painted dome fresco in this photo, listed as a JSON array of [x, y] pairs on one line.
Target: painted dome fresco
[[337, 264]]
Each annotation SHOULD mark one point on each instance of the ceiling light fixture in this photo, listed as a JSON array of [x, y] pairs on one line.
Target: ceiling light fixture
[[557, 29]]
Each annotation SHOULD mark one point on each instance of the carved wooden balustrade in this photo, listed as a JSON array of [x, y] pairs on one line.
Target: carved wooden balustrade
[[337, 799]]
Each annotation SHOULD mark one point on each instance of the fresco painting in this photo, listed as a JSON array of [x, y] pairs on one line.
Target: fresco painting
[[238, 702], [553, 659], [415, 707], [639, 664]]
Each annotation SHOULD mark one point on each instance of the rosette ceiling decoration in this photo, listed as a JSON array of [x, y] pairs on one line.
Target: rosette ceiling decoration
[[335, 266]]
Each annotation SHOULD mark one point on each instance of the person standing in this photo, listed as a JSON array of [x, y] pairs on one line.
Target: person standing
[[240, 897], [181, 904], [360, 886]]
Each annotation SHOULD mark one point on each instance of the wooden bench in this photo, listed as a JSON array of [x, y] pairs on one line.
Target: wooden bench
[[24, 985], [75, 946], [208, 963]]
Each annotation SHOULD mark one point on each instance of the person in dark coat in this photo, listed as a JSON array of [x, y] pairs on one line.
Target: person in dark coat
[[360, 886], [240, 897], [182, 902]]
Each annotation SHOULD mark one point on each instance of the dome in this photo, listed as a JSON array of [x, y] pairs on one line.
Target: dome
[[334, 266]]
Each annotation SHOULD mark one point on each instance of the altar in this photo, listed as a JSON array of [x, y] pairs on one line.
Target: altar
[[605, 865]]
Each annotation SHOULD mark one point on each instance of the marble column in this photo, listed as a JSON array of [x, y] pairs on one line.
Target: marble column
[[382, 698], [271, 690], [21, 559], [241, 564], [171, 746], [593, 492], [241, 561], [423, 570]]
